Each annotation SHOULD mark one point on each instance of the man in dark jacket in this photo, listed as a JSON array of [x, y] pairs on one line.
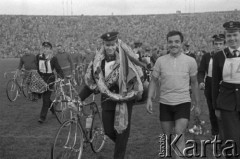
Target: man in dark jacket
[[205, 78], [225, 87], [46, 63], [111, 51]]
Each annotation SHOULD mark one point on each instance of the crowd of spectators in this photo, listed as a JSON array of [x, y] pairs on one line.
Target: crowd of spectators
[[83, 32]]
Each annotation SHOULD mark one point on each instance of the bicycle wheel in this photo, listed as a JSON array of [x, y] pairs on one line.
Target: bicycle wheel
[[12, 90], [26, 92], [97, 134], [62, 112], [68, 142]]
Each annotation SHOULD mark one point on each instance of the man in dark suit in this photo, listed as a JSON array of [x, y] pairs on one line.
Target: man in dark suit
[[226, 85], [205, 78], [46, 63], [111, 50]]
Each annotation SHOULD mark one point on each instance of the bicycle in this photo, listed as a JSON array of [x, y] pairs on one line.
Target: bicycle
[[16, 86], [61, 94], [72, 135]]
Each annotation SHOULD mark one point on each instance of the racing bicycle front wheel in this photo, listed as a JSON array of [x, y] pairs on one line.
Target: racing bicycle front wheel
[[68, 142], [12, 90]]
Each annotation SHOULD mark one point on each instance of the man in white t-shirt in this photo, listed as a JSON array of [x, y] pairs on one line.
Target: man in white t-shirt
[[175, 70]]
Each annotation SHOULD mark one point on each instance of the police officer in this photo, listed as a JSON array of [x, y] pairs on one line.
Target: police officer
[[226, 85], [205, 78], [46, 63], [110, 46]]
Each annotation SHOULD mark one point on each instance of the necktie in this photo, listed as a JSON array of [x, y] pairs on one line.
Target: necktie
[[236, 53], [110, 58]]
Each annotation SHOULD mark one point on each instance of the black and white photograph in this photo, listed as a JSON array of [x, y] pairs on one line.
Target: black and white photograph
[[119, 79]]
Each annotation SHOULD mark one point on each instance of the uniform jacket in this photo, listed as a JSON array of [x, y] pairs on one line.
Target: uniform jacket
[[226, 96], [54, 66], [203, 68], [203, 71]]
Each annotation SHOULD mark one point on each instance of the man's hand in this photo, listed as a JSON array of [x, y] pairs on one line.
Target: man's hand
[[202, 86], [149, 106]]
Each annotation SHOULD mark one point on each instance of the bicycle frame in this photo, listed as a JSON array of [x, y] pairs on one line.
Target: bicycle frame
[[63, 95], [75, 128], [81, 113], [84, 114]]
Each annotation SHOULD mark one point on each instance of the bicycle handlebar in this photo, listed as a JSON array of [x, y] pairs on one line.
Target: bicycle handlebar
[[58, 80]]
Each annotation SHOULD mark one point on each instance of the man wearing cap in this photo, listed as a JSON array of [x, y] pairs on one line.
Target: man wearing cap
[[46, 63], [111, 57], [205, 79], [226, 86], [65, 61]]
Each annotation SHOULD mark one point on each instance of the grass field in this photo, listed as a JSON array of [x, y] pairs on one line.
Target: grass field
[[22, 137]]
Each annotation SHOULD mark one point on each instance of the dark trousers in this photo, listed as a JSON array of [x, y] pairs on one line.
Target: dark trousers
[[231, 128], [120, 140], [213, 119], [46, 104]]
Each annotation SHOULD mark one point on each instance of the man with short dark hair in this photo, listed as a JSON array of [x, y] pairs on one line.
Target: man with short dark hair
[[205, 79], [27, 61], [174, 71], [226, 86], [65, 61]]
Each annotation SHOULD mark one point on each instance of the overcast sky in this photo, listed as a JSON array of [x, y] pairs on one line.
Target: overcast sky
[[116, 7]]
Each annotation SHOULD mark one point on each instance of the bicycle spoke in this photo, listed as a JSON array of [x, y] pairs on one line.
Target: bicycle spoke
[[68, 141], [61, 111], [97, 132], [12, 90]]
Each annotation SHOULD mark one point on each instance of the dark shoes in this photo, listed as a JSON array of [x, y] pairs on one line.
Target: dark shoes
[[41, 121], [34, 97], [52, 110]]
